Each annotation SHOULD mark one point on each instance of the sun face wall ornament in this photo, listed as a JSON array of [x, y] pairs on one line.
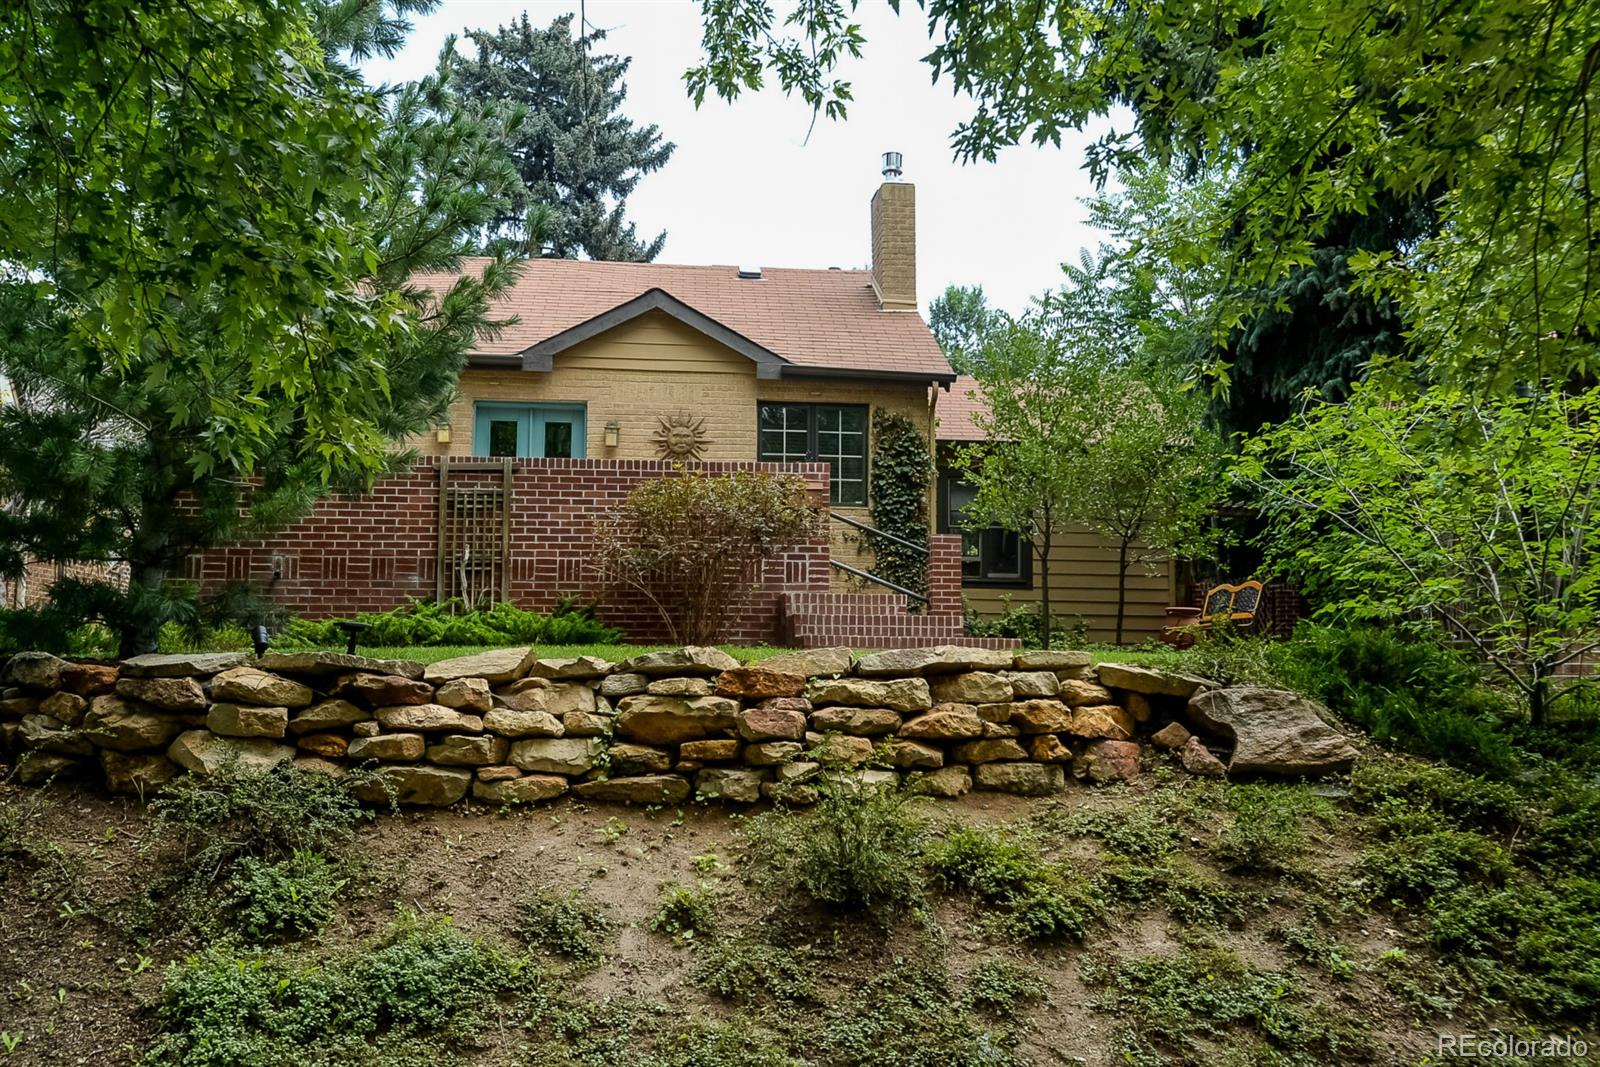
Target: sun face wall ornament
[[681, 437]]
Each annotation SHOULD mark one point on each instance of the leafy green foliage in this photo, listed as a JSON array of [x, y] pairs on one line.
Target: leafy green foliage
[[1403, 689], [284, 898], [207, 313], [688, 543], [564, 924], [746, 969], [423, 623], [1079, 436], [1179, 1004], [269, 814], [1267, 833], [1004, 989], [577, 154], [1410, 501], [901, 477], [961, 318], [687, 912], [1034, 900], [916, 1020], [857, 849], [419, 990]]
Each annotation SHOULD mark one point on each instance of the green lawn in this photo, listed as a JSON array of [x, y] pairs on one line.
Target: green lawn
[[615, 653]]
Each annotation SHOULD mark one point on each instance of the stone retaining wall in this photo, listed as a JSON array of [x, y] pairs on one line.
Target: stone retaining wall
[[508, 727]]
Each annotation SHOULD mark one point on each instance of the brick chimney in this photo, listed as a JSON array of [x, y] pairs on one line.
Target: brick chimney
[[894, 239]]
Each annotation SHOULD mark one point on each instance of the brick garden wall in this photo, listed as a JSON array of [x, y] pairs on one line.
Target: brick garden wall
[[374, 552]]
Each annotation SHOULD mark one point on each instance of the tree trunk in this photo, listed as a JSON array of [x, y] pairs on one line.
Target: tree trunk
[[1122, 586], [1044, 591], [1539, 696], [149, 566]]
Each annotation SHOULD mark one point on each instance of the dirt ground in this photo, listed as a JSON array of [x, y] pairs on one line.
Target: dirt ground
[[76, 989]]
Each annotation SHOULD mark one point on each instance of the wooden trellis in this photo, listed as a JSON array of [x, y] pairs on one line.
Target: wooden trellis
[[474, 561]]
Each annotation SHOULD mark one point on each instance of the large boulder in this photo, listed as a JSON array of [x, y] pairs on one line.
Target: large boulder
[[203, 752], [528, 789], [623, 685], [180, 665], [1273, 731], [899, 694], [1109, 761], [639, 759], [693, 659], [497, 666], [328, 715], [137, 774], [946, 722], [947, 782], [1102, 720], [34, 670], [1041, 716], [246, 685], [44, 734], [644, 789], [327, 664], [170, 694], [429, 718], [759, 683], [89, 679], [811, 662], [574, 668], [67, 707], [401, 748], [422, 785], [557, 755], [1151, 682], [864, 722], [1025, 684], [658, 720], [941, 659], [468, 750], [730, 783], [1024, 779], [465, 694], [383, 690], [557, 698], [971, 687], [513, 722], [771, 724], [914, 755], [244, 720], [127, 726], [1053, 660]]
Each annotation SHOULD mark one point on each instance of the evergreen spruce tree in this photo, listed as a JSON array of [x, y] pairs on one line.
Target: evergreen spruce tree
[[578, 155]]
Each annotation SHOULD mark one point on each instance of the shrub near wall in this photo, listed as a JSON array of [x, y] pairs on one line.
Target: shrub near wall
[[507, 727]]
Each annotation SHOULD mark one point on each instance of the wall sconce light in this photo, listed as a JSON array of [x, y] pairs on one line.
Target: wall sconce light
[[613, 433], [442, 435]]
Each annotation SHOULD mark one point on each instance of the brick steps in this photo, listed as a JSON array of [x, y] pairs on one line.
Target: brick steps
[[872, 620]]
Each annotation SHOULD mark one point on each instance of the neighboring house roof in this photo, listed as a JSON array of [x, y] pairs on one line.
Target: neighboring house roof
[[956, 409], [809, 321]]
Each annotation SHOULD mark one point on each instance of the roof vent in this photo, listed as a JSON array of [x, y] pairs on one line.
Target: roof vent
[[750, 273], [891, 166]]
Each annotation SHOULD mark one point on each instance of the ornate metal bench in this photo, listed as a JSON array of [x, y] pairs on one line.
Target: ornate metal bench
[[1234, 604]]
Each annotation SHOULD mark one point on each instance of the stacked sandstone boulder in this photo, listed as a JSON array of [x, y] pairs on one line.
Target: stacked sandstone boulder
[[507, 727]]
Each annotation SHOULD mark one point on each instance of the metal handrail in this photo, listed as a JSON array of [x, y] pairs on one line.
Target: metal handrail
[[886, 583], [858, 524]]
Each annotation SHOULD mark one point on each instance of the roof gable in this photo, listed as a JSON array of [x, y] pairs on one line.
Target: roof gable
[[539, 357]]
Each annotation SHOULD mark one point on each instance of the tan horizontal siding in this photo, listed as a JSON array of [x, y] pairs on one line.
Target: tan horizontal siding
[[1083, 584]]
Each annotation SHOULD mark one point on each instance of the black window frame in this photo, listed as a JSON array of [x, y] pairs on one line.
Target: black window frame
[[811, 408], [1023, 580]]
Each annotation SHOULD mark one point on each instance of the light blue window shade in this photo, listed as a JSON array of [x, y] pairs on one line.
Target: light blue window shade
[[532, 431]]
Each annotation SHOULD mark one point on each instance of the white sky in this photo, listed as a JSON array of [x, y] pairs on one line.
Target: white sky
[[746, 187]]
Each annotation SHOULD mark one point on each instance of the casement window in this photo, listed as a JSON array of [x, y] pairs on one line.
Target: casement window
[[989, 555], [536, 431], [828, 433]]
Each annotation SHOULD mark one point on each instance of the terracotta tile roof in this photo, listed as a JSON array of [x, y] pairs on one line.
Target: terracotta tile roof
[[956, 408], [824, 319]]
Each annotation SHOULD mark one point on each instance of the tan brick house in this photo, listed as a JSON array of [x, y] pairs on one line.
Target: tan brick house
[[614, 372]]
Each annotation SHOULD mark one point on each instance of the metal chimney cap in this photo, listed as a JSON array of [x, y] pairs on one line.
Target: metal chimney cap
[[891, 166]]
